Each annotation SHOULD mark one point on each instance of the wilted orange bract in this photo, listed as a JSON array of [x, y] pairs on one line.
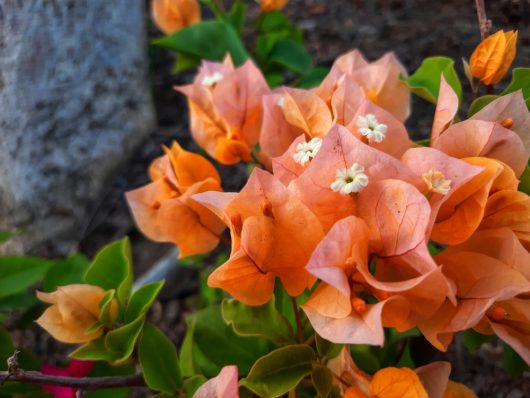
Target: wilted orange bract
[[493, 56], [173, 15], [164, 210], [74, 309]]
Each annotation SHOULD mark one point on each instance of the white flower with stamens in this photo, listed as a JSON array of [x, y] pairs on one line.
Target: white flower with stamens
[[369, 127], [305, 151], [281, 102], [436, 182], [350, 180], [210, 80]]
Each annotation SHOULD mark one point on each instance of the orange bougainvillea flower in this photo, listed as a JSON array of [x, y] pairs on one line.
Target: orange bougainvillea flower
[[273, 235], [224, 385], [397, 383], [458, 390], [493, 56], [74, 309], [271, 5], [173, 15], [226, 109], [164, 210]]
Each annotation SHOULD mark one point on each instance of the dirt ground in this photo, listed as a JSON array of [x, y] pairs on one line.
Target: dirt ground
[[414, 29]]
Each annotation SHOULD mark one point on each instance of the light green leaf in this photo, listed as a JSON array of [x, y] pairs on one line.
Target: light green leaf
[[112, 269], [480, 103], [192, 384], [520, 81], [19, 273], [158, 359], [264, 321], [105, 305], [322, 380], [142, 300], [120, 342], [94, 350], [207, 40], [279, 371], [425, 82]]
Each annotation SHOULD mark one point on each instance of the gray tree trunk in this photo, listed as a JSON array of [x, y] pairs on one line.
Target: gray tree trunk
[[74, 104]]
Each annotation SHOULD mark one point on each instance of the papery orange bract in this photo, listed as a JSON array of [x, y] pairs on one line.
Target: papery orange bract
[[344, 367], [163, 209], [226, 109], [397, 383], [492, 58], [271, 5], [458, 390], [446, 109], [284, 167], [173, 15], [434, 378], [74, 309], [273, 235], [224, 385]]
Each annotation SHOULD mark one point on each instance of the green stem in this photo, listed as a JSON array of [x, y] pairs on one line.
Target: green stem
[[299, 327]]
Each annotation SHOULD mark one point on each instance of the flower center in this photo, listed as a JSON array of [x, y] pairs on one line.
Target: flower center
[[436, 182], [211, 80], [350, 180], [305, 151], [370, 128]]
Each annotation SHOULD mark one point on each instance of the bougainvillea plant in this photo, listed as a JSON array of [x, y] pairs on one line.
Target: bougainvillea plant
[[347, 239]]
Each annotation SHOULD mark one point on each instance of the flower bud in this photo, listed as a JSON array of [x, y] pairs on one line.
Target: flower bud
[[493, 56], [74, 309], [173, 15], [270, 5]]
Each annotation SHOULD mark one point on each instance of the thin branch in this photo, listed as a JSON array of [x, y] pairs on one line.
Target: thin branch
[[299, 327], [85, 383], [483, 21]]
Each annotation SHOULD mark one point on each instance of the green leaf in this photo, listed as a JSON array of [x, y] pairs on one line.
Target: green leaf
[[120, 342], [514, 365], [192, 384], [327, 349], [211, 344], [406, 361], [365, 359], [480, 103], [314, 78], [18, 301], [6, 348], [279, 371], [425, 82], [322, 380], [112, 269], [236, 16], [158, 359], [65, 272], [520, 81], [207, 40], [292, 56], [142, 300], [105, 305], [524, 182], [94, 350], [264, 321], [19, 273], [185, 61], [473, 340]]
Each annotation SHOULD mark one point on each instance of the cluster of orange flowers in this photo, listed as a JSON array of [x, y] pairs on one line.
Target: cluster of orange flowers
[[347, 201]]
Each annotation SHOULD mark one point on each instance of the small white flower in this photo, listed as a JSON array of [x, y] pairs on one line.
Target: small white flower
[[350, 180], [210, 80], [436, 182], [369, 127], [281, 102], [307, 150]]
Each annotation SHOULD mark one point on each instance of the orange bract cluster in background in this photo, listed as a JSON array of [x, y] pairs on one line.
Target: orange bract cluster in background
[[346, 204]]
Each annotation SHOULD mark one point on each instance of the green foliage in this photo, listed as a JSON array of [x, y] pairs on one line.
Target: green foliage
[[142, 300], [520, 81], [19, 273], [325, 348], [121, 341], [322, 380], [314, 78], [473, 340], [192, 384], [425, 82], [292, 56], [263, 321], [514, 365], [65, 272], [105, 305], [480, 103], [210, 344], [209, 40], [524, 182], [365, 357], [158, 359], [280, 370], [6, 348], [112, 269]]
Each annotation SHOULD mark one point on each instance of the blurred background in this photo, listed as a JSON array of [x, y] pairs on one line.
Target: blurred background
[[86, 103]]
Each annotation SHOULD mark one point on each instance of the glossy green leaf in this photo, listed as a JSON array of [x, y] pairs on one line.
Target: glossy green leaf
[[263, 321], [120, 342], [520, 81], [292, 56], [322, 380], [207, 40], [94, 350], [192, 384], [514, 365], [112, 269], [105, 305], [314, 78], [365, 359], [19, 273], [327, 349], [65, 272], [142, 300], [158, 359], [279, 371], [480, 103], [473, 340], [425, 82]]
